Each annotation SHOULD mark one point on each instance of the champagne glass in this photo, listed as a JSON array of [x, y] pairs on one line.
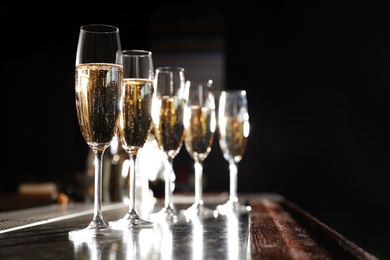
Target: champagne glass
[[200, 124], [135, 122], [98, 82], [233, 123], [171, 99]]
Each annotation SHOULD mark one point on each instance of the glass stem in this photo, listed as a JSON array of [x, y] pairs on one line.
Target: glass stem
[[168, 184], [98, 217], [132, 183], [198, 182], [233, 182]]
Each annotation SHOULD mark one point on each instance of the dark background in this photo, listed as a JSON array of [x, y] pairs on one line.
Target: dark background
[[317, 76]]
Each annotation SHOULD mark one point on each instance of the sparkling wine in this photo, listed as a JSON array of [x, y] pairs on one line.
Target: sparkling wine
[[169, 127], [199, 131], [135, 117], [233, 138], [97, 93]]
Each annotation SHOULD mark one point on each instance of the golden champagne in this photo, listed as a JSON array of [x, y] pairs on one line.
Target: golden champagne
[[135, 117], [97, 93], [233, 138], [199, 131], [169, 128]]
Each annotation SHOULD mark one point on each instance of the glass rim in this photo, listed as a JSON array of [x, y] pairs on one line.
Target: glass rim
[[169, 68], [136, 53], [99, 28], [198, 80], [234, 91]]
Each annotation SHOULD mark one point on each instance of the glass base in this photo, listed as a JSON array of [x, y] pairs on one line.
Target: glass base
[[166, 214], [95, 232], [232, 207], [198, 210], [130, 220]]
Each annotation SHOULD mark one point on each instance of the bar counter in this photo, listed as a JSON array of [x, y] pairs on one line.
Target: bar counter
[[275, 228]]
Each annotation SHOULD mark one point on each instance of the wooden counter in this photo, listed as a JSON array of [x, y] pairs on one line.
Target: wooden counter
[[276, 228]]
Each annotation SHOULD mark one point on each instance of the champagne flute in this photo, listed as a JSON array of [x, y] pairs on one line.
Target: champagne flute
[[233, 123], [98, 81], [200, 124], [171, 100], [135, 122]]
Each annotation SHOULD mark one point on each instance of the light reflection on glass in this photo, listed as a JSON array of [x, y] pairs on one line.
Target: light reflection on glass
[[139, 244], [233, 236], [197, 236], [151, 150], [162, 241], [124, 173], [146, 241], [114, 145], [95, 248], [149, 243]]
